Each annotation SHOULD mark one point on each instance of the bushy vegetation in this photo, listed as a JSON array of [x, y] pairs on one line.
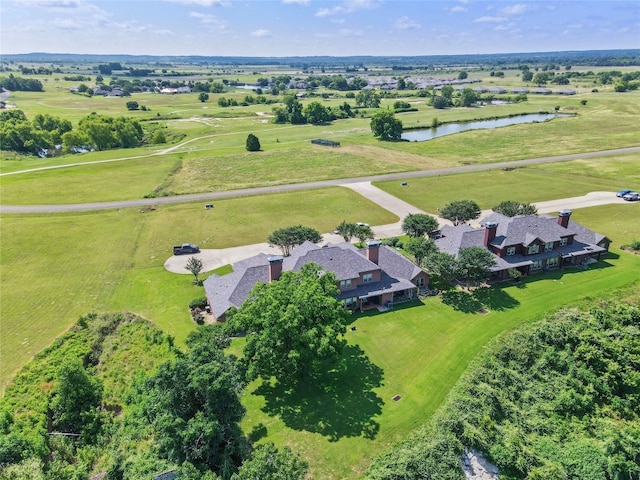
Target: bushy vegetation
[[17, 84], [559, 399], [84, 408], [46, 134]]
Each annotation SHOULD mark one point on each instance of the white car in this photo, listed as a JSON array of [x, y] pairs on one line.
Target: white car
[[362, 224]]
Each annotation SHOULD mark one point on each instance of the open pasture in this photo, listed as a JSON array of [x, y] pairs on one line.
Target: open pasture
[[214, 156], [58, 267]]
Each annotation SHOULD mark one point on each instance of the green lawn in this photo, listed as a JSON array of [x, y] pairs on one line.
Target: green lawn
[[341, 422], [58, 267], [526, 184]]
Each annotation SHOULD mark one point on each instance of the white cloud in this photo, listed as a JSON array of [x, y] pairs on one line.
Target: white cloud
[[203, 3], [348, 6], [518, 9], [298, 2], [458, 9], [405, 23], [210, 20], [489, 20], [261, 33]]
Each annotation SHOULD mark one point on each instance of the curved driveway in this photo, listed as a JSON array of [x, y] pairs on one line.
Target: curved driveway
[[304, 186], [215, 258]]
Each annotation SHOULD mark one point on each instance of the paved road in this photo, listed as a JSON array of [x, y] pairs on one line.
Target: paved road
[[304, 186]]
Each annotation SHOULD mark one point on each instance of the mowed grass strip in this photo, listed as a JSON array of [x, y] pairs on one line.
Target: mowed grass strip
[[87, 183], [525, 184], [58, 267], [417, 352]]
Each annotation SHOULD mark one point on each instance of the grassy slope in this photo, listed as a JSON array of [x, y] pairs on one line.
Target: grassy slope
[[418, 352]]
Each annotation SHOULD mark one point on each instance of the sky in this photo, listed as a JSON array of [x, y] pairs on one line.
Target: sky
[[275, 28]]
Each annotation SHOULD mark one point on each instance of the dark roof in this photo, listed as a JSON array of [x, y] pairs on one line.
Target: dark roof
[[343, 259], [522, 230]]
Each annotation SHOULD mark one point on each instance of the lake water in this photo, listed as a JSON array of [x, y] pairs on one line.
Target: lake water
[[451, 128]]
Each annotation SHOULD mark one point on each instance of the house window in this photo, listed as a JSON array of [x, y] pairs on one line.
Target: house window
[[563, 241], [536, 265], [548, 246], [367, 278], [552, 262], [420, 282], [535, 248], [350, 302], [511, 250], [345, 284]]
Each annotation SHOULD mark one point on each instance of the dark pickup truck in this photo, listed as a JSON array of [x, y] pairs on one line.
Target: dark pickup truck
[[185, 249]]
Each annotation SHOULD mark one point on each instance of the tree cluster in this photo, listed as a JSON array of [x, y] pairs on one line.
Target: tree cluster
[[38, 137], [293, 325], [82, 409], [289, 237], [556, 400], [314, 112], [17, 84], [511, 208], [460, 211]]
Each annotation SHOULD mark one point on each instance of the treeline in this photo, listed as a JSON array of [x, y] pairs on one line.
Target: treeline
[[314, 112], [82, 409], [556, 400], [18, 84], [47, 135]]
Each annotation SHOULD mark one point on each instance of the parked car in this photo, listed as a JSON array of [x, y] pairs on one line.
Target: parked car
[[632, 197], [186, 248], [622, 193], [362, 224]]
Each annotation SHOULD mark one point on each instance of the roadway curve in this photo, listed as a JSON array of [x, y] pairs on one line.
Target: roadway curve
[[305, 186]]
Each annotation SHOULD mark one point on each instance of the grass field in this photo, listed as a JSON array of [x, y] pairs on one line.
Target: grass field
[[417, 352], [58, 267]]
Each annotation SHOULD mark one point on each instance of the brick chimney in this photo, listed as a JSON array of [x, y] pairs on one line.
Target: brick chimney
[[275, 267], [563, 218], [373, 250], [490, 232]]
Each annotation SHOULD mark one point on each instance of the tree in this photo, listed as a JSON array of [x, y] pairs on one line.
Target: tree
[[474, 264], [443, 265], [292, 325], [193, 404], [316, 113], [439, 102], [216, 87], [419, 224], [363, 232], [76, 400], [203, 97], [252, 144], [386, 126], [447, 92], [288, 238], [510, 208], [460, 211], [468, 97], [346, 230], [267, 463], [132, 105], [194, 265], [420, 248], [527, 76], [368, 98], [463, 75]]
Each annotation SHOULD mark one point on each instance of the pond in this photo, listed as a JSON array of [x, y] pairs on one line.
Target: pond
[[451, 128]]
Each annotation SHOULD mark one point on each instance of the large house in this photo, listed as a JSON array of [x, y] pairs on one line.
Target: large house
[[374, 277], [528, 243]]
